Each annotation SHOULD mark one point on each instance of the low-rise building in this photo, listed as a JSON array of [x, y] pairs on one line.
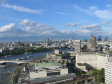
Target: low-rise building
[[45, 69], [57, 51]]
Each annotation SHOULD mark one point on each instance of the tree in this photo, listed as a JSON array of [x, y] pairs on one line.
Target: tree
[[99, 80], [94, 71]]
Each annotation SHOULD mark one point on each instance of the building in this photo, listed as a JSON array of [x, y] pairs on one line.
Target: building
[[90, 60], [59, 79], [93, 43], [41, 70], [77, 44], [51, 57], [57, 51], [108, 71]]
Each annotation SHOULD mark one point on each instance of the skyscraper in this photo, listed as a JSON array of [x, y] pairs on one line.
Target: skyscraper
[[99, 38], [93, 42], [77, 44]]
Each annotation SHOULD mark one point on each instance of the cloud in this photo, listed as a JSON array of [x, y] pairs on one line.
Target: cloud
[[92, 7], [35, 31], [25, 22], [7, 27], [72, 24], [92, 27], [79, 8], [104, 14], [106, 22], [89, 26], [109, 5], [22, 9], [61, 13], [93, 10], [35, 27]]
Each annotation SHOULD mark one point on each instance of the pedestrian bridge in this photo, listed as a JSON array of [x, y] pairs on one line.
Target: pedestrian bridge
[[14, 61]]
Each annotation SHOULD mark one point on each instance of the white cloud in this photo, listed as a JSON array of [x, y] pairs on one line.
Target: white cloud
[[33, 30], [61, 13], [7, 27], [35, 27], [109, 5], [79, 8], [72, 24], [93, 10], [89, 26], [26, 22], [22, 9], [92, 7], [38, 30], [106, 22], [105, 14]]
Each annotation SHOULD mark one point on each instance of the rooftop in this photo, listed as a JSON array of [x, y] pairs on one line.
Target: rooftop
[[45, 64], [52, 78], [85, 53]]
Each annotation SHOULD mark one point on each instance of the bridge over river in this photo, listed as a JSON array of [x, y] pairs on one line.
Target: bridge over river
[[14, 61]]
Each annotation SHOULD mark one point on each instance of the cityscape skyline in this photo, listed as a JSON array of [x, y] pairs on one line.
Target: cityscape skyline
[[30, 20]]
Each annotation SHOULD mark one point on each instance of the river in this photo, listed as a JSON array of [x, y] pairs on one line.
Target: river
[[30, 56]]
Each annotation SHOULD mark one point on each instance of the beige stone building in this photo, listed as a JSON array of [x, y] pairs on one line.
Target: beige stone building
[[89, 60]]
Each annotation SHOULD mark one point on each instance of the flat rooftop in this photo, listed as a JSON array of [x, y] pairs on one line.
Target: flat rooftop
[[86, 53], [52, 78], [93, 53], [45, 64]]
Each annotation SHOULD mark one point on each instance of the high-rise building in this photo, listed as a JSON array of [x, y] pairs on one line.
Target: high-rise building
[[99, 38], [93, 42], [77, 44], [108, 71]]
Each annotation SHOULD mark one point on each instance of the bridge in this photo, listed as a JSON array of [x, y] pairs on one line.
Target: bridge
[[14, 61]]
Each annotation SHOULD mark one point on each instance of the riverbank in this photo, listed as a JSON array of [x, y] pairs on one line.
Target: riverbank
[[25, 50], [34, 55]]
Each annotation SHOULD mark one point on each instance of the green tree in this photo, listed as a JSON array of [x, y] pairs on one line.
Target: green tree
[[94, 71], [99, 80]]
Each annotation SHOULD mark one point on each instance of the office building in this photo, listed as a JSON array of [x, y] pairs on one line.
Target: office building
[[93, 43], [91, 60], [77, 44], [108, 71]]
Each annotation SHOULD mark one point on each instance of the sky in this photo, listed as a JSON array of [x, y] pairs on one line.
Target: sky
[[56, 19]]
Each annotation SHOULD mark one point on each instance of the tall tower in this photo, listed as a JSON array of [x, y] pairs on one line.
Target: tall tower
[[93, 42], [77, 44]]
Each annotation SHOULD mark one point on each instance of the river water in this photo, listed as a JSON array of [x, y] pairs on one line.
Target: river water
[[31, 55]]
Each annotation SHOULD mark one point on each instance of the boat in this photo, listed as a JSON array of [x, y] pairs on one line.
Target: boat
[[3, 66], [28, 56], [21, 59], [26, 53]]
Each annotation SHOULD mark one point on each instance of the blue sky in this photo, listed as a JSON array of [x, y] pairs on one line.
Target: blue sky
[[30, 19]]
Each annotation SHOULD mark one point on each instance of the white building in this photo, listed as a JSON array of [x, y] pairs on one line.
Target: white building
[[89, 60], [56, 51], [108, 71]]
